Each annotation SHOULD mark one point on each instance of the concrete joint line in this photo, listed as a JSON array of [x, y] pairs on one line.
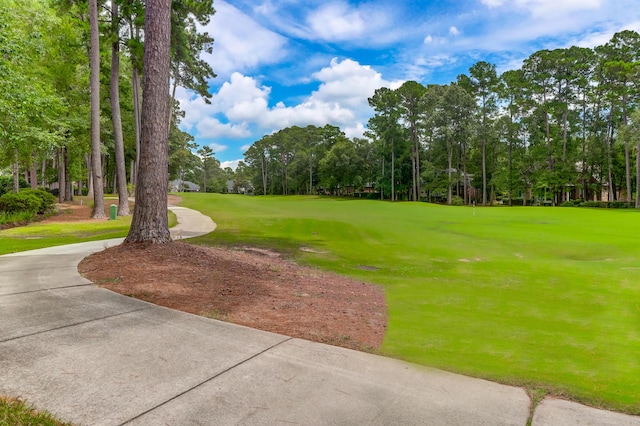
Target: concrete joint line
[[47, 289], [206, 381], [75, 324], [52, 268]]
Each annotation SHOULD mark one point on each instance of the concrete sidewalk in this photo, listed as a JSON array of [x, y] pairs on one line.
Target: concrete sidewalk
[[94, 357]]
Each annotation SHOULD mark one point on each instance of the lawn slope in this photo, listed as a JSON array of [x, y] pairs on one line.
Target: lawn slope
[[547, 298]]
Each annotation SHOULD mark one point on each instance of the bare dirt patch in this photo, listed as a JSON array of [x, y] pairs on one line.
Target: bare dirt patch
[[246, 286]]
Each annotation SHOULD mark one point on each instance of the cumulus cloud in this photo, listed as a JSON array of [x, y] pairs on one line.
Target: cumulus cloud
[[217, 148], [241, 43], [211, 127], [454, 31], [336, 21], [242, 102], [231, 163]]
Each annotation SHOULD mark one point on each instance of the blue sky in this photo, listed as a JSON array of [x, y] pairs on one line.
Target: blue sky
[[288, 62]]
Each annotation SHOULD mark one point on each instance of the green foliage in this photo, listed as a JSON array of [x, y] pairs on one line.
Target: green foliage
[[15, 217], [528, 296], [6, 184], [599, 204], [20, 202], [457, 201], [47, 200]]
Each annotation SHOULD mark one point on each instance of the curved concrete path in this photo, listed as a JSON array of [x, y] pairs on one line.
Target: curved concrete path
[[94, 357]]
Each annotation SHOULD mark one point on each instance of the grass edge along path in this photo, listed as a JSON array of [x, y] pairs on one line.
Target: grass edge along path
[[38, 235], [541, 298], [16, 412]]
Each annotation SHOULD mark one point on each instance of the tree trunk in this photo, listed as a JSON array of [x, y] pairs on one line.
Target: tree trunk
[[98, 188], [150, 220], [393, 172], [121, 168], [465, 186], [135, 82], [68, 187], [16, 173], [610, 154], [87, 160], [264, 175], [484, 172], [627, 154], [33, 172], [43, 171], [62, 182], [450, 164]]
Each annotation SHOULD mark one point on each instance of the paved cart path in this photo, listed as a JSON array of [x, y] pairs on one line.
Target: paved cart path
[[94, 357]]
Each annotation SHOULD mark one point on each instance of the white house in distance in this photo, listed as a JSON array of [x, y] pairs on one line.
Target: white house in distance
[[183, 186]]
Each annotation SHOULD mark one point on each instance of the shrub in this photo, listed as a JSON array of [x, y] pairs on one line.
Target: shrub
[[457, 200], [20, 202], [619, 205], [572, 203], [596, 204], [47, 200]]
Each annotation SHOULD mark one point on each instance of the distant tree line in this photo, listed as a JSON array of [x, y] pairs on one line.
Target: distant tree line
[[563, 127]]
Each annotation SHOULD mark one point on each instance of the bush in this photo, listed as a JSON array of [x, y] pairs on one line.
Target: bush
[[47, 200], [619, 205], [457, 201], [20, 202], [572, 203]]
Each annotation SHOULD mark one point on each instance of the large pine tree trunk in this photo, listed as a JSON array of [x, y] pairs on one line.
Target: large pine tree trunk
[[121, 168], [150, 220], [87, 161], [98, 188], [135, 81]]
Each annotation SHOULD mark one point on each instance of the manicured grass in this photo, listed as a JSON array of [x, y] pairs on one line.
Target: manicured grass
[[546, 298], [16, 413], [39, 235]]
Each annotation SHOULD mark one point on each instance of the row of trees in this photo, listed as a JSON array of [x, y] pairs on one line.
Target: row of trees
[[46, 99], [561, 127]]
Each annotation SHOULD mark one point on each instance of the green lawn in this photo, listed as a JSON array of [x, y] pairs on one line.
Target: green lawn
[[546, 298], [39, 235], [15, 412]]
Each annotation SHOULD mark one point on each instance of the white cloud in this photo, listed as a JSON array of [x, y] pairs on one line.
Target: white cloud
[[335, 21], [454, 31], [217, 148], [545, 7], [240, 42], [211, 128], [492, 3], [232, 163], [428, 39], [356, 131], [367, 23], [341, 99]]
